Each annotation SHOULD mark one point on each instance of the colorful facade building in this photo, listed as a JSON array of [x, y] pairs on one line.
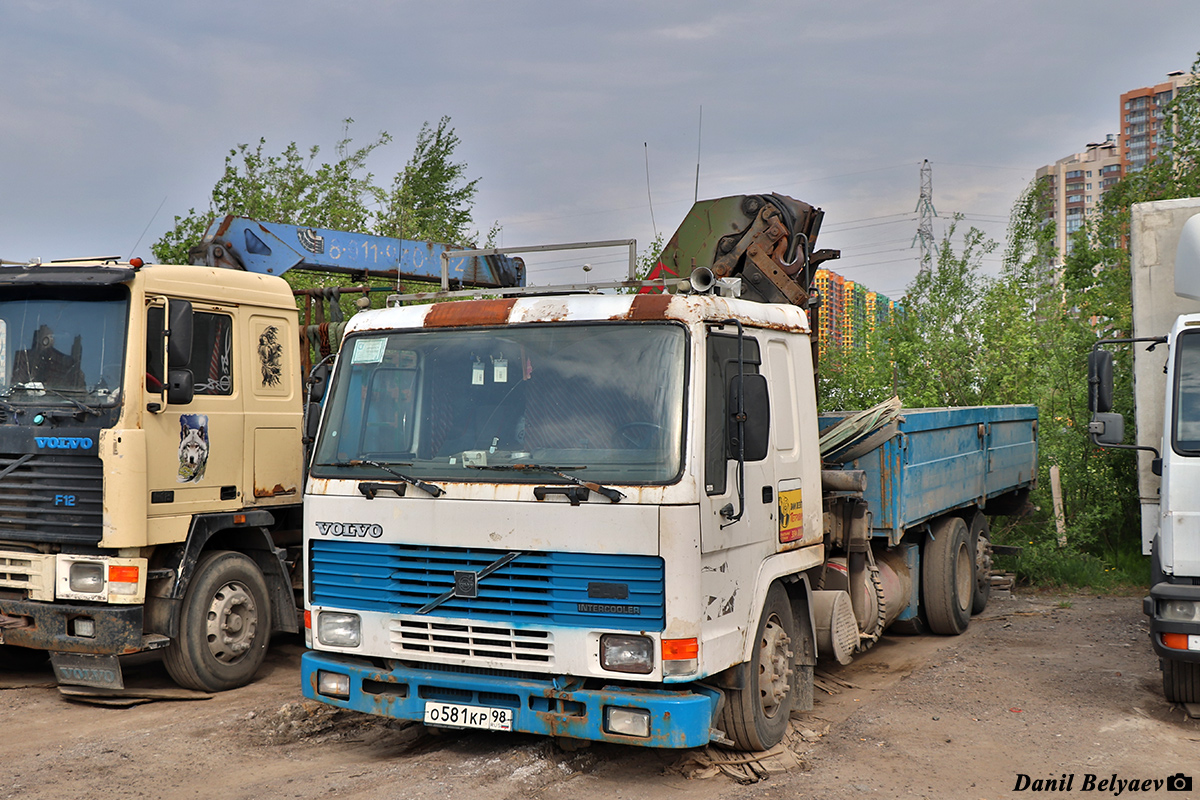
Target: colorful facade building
[[849, 311]]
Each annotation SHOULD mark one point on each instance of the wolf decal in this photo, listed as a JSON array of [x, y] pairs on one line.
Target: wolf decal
[[193, 447]]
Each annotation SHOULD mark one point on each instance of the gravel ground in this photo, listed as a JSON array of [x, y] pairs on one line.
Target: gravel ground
[[1052, 688]]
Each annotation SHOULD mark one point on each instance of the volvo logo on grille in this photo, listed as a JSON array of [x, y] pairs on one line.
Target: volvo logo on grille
[[359, 530], [64, 442], [466, 584]]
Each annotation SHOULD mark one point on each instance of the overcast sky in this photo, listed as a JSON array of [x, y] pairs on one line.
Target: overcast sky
[[117, 115]]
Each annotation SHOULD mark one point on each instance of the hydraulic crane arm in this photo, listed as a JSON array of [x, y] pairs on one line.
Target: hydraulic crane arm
[[766, 240], [273, 249]]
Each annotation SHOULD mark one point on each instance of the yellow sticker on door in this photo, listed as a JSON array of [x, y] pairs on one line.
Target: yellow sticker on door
[[791, 515]]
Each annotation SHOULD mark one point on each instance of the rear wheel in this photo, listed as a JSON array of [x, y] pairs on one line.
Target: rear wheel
[[948, 575], [224, 625], [981, 539], [756, 716], [1181, 681]]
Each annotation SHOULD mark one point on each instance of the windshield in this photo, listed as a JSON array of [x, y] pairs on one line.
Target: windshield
[[69, 345], [606, 399], [1187, 394]]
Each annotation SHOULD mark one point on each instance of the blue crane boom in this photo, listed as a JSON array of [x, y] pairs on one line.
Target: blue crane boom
[[272, 248]]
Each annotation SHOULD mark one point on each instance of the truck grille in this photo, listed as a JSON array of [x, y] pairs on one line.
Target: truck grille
[[51, 498], [472, 641], [580, 590]]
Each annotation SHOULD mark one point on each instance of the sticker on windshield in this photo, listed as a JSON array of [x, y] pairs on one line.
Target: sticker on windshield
[[368, 351]]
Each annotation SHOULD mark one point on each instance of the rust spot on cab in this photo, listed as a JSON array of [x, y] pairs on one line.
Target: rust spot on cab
[[649, 306], [470, 312], [276, 491]]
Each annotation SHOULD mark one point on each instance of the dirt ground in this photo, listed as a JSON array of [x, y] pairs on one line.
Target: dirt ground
[[1042, 686]]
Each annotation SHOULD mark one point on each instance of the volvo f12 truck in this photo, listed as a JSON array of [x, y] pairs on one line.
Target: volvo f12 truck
[[619, 517], [151, 457], [1165, 263]]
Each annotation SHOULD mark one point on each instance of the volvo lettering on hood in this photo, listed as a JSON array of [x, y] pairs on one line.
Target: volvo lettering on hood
[[352, 529]]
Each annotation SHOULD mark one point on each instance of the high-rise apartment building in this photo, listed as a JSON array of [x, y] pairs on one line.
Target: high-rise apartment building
[[849, 311], [1076, 184], [1143, 120]]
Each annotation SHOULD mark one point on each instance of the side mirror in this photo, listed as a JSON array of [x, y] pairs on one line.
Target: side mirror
[[757, 406], [312, 421], [1107, 428], [1100, 381], [181, 385], [179, 323], [318, 382]]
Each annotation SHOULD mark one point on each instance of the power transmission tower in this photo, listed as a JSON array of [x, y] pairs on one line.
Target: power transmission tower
[[925, 207]]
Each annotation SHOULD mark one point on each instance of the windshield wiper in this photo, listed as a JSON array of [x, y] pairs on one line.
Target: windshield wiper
[[436, 491], [612, 494], [84, 408], [35, 386]]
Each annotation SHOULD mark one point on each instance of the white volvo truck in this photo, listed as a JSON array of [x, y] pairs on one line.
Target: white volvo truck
[[611, 517]]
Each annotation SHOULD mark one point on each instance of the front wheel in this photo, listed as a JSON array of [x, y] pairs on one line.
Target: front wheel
[[224, 625], [1181, 681], [756, 716]]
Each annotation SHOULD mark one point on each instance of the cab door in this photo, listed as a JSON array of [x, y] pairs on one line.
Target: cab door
[[195, 451]]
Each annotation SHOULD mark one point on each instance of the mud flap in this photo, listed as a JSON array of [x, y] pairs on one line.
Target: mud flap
[[80, 669]]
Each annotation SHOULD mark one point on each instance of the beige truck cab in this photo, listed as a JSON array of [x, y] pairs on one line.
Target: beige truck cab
[[150, 468]]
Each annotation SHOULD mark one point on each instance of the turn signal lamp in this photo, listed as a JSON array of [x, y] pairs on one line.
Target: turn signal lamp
[[122, 579]]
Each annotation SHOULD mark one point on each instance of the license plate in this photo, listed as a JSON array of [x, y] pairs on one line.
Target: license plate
[[452, 715]]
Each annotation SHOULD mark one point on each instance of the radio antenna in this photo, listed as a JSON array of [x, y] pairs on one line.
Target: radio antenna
[[650, 199], [699, 130]]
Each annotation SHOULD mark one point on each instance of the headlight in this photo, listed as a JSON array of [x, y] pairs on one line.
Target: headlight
[[627, 721], [620, 653], [87, 577], [333, 684], [1179, 610], [339, 630]]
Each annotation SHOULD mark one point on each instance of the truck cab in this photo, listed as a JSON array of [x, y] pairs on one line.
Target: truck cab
[[150, 468], [548, 485]]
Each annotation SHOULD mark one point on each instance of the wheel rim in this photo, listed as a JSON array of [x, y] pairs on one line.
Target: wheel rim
[[962, 577], [232, 622], [774, 667], [983, 563]]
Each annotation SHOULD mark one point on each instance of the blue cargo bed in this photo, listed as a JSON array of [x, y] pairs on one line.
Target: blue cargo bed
[[944, 459]]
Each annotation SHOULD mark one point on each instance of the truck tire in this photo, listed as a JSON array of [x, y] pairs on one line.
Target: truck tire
[[948, 577], [1181, 681], [756, 716], [981, 537], [224, 625]]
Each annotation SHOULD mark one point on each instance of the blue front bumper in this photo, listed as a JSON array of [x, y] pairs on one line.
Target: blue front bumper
[[678, 718]]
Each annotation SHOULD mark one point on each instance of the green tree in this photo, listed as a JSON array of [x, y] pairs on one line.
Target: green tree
[[430, 200], [427, 201], [290, 188], [937, 343]]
